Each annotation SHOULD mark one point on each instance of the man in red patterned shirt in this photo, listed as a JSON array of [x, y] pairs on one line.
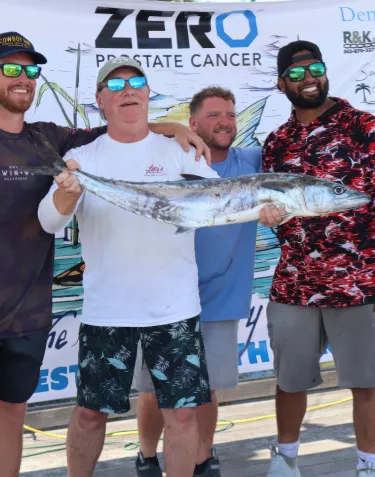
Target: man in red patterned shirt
[[323, 290]]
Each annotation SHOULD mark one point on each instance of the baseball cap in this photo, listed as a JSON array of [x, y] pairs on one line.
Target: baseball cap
[[13, 42], [116, 63], [286, 58]]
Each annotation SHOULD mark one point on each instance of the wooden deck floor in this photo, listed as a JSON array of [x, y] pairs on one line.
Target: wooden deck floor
[[328, 444]]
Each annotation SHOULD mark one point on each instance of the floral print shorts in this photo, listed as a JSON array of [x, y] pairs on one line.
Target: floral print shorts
[[173, 353]]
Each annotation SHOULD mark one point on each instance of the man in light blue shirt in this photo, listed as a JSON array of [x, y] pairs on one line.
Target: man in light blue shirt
[[225, 257]]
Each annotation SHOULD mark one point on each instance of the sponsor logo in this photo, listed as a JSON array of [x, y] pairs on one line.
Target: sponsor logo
[[365, 84], [358, 42], [349, 14], [164, 39], [155, 171], [145, 22]]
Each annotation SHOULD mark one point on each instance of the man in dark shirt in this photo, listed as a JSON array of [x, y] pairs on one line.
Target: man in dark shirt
[[323, 290], [26, 251]]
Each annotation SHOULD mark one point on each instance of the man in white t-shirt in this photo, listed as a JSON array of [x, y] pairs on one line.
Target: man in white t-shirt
[[140, 281]]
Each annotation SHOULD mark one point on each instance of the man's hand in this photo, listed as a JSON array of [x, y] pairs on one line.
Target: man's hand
[[270, 215], [70, 190], [186, 137], [68, 182]]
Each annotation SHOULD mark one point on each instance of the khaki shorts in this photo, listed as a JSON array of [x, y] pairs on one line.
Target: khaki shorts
[[299, 336], [220, 344]]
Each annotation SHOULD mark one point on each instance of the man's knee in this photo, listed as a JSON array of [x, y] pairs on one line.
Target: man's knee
[[89, 419], [181, 418], [14, 412]]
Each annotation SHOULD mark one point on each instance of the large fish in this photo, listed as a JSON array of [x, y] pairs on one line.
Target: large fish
[[197, 202]]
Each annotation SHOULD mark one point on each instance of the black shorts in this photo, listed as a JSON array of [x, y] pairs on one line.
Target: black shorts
[[173, 353], [20, 360]]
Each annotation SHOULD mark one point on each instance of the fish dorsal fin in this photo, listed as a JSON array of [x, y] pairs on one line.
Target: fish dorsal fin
[[192, 177], [277, 186]]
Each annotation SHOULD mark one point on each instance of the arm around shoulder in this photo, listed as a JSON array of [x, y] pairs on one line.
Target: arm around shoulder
[[199, 168], [73, 138]]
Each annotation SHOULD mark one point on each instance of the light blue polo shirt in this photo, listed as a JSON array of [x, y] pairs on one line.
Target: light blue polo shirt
[[226, 254]]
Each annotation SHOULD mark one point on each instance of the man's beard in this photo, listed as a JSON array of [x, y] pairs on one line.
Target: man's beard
[[299, 101], [16, 107], [211, 141]]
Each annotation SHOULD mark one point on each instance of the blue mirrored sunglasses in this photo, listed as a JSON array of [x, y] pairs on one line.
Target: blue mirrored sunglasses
[[117, 84]]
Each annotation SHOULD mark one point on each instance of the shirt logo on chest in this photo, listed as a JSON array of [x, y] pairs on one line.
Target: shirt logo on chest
[[12, 173], [155, 170]]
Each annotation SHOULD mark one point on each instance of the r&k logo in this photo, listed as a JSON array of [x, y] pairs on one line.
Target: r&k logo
[[358, 42]]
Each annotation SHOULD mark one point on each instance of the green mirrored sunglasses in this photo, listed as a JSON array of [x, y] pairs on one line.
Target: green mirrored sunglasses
[[12, 70], [298, 73]]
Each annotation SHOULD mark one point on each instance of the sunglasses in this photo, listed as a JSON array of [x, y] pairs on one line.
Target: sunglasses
[[118, 84], [14, 71], [298, 73]]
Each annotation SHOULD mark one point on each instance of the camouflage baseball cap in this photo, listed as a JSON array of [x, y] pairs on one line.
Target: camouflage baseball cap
[[115, 63]]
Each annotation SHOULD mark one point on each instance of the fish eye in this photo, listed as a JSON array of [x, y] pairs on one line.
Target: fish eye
[[338, 190]]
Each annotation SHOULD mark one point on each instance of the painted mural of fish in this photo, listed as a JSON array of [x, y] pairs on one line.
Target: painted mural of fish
[[197, 202]]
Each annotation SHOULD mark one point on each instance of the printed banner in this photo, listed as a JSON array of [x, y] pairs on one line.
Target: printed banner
[[183, 47]]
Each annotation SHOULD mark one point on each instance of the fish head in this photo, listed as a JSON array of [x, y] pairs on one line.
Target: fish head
[[325, 197], [282, 192]]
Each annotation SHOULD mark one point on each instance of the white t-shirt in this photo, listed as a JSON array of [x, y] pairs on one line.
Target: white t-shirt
[[138, 273]]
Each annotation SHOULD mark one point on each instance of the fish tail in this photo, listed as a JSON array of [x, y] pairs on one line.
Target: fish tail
[[50, 161], [52, 169]]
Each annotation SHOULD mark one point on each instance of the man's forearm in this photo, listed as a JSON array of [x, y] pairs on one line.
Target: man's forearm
[[65, 203], [166, 129], [51, 219]]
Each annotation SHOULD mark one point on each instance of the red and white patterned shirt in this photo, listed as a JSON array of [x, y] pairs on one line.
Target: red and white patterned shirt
[[327, 261]]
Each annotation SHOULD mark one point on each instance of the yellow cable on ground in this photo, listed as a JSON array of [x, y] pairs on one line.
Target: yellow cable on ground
[[270, 416], [49, 434], [221, 423]]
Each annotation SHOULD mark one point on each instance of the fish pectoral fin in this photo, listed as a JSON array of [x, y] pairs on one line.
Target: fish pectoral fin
[[192, 177], [183, 230]]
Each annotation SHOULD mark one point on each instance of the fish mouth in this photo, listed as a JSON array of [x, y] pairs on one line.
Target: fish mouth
[[337, 203], [359, 197], [361, 201], [354, 202]]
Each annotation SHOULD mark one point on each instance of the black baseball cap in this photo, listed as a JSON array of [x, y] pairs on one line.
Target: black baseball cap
[[286, 58], [12, 42]]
